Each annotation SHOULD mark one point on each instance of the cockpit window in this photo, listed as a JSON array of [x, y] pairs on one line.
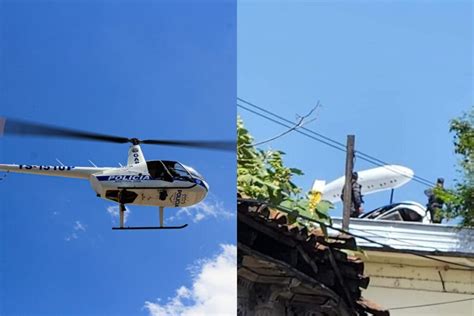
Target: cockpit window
[[194, 173], [392, 216], [410, 215], [375, 213], [158, 171], [176, 169]]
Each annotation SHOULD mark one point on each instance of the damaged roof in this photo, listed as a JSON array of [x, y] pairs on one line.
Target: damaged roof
[[312, 267]]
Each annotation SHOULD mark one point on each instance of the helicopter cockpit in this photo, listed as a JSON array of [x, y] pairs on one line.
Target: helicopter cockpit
[[193, 172], [168, 170]]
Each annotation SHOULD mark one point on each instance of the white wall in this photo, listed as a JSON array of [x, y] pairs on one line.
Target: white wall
[[389, 298]]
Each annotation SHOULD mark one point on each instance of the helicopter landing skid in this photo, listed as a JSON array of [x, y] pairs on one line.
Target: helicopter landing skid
[[122, 221], [150, 227]]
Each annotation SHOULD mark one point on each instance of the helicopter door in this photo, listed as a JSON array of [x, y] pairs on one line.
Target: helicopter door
[[159, 171]]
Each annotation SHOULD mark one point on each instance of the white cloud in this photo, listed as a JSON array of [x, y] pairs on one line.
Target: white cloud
[[114, 212], [77, 228], [214, 289], [71, 237], [211, 207]]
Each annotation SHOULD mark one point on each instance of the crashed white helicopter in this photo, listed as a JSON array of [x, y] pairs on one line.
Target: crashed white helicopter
[[371, 180], [161, 183], [388, 177]]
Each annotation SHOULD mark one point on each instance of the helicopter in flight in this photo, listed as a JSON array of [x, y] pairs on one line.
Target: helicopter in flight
[[161, 183]]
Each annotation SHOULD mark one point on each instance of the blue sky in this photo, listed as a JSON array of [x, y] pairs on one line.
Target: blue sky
[[150, 69], [392, 73]]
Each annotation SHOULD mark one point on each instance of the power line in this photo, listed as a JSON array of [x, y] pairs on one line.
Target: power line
[[326, 143], [360, 154], [288, 126], [432, 304], [288, 121], [397, 239], [289, 211], [299, 124], [334, 143]]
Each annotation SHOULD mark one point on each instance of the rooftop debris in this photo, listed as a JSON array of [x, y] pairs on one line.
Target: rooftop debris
[[314, 269]]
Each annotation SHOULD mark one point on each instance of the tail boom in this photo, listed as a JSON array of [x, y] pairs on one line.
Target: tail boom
[[58, 171]]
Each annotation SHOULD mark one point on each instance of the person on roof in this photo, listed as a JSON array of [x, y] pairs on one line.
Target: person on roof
[[357, 197], [435, 202]]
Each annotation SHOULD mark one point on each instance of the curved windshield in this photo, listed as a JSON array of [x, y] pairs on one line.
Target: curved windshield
[[194, 173], [158, 171], [176, 169], [378, 211]]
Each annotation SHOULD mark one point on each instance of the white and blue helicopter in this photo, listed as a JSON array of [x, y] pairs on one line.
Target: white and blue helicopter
[[387, 177], [161, 183]]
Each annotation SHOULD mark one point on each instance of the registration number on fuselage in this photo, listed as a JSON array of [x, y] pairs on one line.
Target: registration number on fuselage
[[62, 168]]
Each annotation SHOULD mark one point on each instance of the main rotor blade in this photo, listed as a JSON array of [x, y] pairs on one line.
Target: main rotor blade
[[23, 128], [205, 144]]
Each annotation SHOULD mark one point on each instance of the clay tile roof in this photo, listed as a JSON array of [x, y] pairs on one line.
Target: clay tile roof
[[332, 267]]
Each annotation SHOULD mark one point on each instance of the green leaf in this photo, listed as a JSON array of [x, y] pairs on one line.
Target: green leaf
[[324, 206]]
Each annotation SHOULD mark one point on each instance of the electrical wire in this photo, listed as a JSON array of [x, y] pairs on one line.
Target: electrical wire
[[397, 239], [431, 304], [330, 144], [334, 143], [289, 211], [300, 123], [299, 130], [288, 126], [359, 154]]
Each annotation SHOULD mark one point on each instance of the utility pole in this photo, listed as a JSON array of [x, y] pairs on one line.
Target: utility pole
[[348, 182]]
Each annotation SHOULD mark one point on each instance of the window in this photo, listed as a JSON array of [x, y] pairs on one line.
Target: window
[[392, 216], [176, 169], [410, 215], [158, 171], [375, 213], [194, 173]]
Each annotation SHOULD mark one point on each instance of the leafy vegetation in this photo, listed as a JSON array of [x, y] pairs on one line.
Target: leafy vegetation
[[262, 175], [460, 199]]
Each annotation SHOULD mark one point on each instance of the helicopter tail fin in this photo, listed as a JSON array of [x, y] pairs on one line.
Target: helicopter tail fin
[[318, 185], [135, 156]]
